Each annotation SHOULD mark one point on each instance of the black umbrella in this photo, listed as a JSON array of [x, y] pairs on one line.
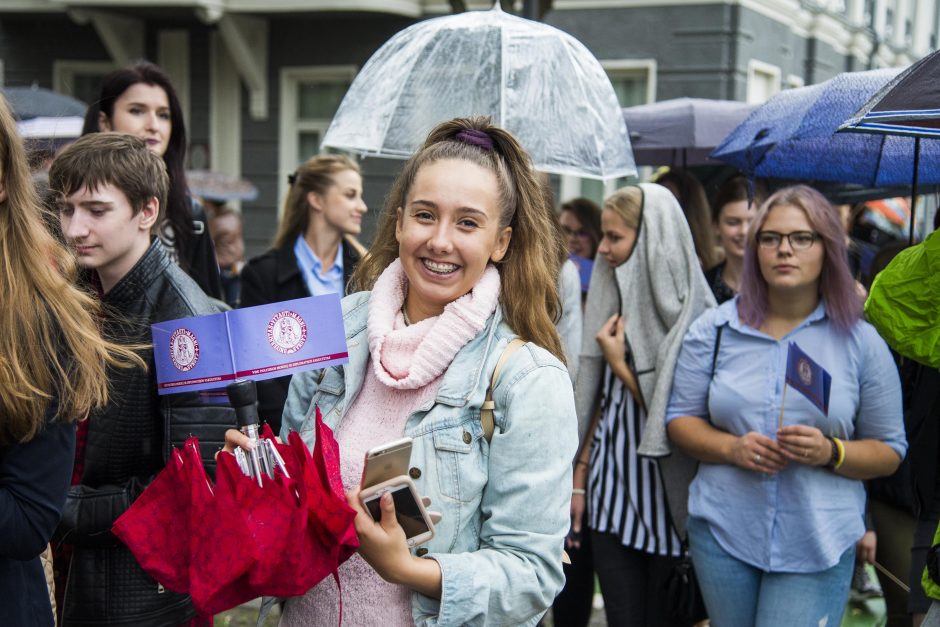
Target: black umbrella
[[38, 102], [907, 105]]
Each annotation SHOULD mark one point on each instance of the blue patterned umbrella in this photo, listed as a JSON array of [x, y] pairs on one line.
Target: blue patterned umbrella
[[793, 136]]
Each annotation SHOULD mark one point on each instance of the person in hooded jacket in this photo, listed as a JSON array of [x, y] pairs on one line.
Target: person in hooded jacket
[[639, 306]]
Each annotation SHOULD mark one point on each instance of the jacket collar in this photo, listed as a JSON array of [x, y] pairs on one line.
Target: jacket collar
[[136, 282]]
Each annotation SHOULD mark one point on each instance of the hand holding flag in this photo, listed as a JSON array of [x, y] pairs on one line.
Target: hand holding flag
[[808, 378]]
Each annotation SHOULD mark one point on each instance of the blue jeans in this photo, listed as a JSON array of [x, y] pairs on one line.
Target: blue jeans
[[739, 595]]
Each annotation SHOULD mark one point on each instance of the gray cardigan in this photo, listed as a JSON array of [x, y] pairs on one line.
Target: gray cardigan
[[660, 290]]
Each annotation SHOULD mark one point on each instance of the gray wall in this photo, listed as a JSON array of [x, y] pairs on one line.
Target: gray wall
[[324, 39]]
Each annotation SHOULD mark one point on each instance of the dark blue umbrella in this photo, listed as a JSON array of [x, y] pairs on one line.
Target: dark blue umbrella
[[792, 136], [683, 131]]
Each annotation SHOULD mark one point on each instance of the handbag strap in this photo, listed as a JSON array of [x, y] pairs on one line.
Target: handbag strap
[[486, 410]]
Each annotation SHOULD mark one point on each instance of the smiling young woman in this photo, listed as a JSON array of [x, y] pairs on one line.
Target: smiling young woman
[[466, 259]]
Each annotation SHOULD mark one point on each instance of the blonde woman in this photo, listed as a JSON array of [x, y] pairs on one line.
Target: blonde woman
[[646, 289], [315, 250]]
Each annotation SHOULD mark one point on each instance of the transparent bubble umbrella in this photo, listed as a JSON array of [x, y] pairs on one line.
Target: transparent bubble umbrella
[[541, 84]]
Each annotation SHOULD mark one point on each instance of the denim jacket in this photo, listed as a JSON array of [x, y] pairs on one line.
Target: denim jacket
[[505, 503]]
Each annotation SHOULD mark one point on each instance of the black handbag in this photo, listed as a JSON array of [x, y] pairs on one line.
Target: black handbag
[[683, 599]]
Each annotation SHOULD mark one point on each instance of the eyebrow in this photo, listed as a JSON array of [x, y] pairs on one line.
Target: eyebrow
[[470, 210], [94, 204], [147, 104]]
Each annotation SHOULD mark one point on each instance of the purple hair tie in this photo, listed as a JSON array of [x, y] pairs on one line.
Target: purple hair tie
[[475, 138]]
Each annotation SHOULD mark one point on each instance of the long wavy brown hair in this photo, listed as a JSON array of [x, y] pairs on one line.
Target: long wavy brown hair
[[51, 351], [529, 270]]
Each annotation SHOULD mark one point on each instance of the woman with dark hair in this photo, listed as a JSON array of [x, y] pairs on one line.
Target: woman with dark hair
[[314, 252], [731, 216], [580, 220], [140, 100], [691, 196], [777, 506]]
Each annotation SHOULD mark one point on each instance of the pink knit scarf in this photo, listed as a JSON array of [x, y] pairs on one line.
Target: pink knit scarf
[[409, 357]]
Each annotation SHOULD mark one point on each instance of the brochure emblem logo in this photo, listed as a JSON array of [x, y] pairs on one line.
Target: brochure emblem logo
[[805, 370], [287, 332], [184, 350]]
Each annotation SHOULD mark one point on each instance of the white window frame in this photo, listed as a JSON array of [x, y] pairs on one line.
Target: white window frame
[[64, 71], [793, 81], [290, 126], [754, 68]]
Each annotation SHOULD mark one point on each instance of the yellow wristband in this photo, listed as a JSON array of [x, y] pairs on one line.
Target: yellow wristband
[[841, 447]]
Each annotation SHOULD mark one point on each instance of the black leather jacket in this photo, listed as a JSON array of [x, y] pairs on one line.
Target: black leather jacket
[[127, 444]]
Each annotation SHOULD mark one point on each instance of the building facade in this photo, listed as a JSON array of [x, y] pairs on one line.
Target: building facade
[[260, 79]]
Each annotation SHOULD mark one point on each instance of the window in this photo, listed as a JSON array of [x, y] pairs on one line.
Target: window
[[309, 99], [763, 81], [80, 79]]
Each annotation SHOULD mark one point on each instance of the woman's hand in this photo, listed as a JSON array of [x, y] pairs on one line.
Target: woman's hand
[[755, 451], [236, 439], [612, 341], [382, 544], [865, 548], [573, 541], [805, 444]]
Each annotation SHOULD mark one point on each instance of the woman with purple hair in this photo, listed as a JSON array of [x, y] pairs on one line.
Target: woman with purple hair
[[777, 504]]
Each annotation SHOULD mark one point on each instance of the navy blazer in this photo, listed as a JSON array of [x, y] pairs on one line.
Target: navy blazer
[[34, 479]]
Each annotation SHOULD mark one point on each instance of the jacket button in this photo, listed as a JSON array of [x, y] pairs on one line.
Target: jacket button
[[421, 552], [467, 438], [415, 473]]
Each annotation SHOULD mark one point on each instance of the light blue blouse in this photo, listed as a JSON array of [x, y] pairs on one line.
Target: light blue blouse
[[803, 518], [311, 268]]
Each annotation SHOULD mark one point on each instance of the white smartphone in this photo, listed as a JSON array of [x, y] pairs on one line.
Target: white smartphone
[[386, 462], [409, 509]]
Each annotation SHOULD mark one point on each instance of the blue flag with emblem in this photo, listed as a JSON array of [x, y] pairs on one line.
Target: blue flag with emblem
[[808, 378]]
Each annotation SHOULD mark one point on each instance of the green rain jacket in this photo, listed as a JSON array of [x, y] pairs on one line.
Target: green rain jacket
[[904, 303]]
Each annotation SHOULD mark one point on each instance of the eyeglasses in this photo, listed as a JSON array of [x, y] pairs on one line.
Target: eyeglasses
[[799, 240], [579, 234]]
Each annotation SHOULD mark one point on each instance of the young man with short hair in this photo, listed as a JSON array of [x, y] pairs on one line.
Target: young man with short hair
[[110, 191]]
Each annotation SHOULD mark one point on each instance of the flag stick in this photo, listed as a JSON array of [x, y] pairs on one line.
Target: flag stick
[[783, 399]]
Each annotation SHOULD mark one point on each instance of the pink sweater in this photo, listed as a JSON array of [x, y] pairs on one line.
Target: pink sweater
[[407, 363]]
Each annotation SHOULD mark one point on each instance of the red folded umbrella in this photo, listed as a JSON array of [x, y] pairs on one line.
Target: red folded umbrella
[[239, 540], [222, 547], [156, 527]]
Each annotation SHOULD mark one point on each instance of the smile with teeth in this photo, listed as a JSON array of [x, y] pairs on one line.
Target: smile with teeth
[[439, 267]]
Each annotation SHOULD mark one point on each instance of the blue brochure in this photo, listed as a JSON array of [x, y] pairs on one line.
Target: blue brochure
[[208, 352]]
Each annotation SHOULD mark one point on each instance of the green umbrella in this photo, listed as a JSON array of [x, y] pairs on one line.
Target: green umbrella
[[904, 302]]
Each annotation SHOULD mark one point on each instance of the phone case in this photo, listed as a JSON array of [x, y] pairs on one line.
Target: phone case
[[415, 503], [385, 462]]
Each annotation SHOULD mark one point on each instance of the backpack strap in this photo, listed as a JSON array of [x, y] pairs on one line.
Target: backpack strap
[[486, 410]]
